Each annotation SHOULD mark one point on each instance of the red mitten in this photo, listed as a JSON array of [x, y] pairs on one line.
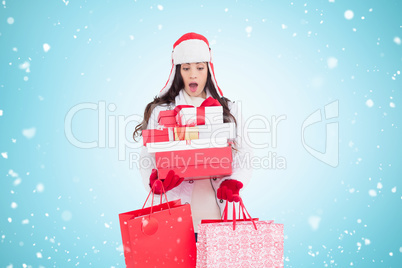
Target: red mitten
[[229, 190], [171, 181]]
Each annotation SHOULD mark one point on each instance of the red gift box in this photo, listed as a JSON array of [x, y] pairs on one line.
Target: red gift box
[[225, 130], [167, 118], [155, 135], [167, 113], [196, 163], [169, 134], [186, 145]]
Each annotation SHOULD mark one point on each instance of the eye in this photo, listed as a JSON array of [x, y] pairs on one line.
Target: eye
[[200, 68], [185, 68]]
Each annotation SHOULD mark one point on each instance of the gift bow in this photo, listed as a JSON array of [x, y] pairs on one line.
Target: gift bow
[[200, 112]]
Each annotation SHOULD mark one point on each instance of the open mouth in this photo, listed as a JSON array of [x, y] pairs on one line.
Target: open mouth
[[193, 87]]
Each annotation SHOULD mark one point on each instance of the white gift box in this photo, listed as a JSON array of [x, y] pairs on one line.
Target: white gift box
[[186, 145], [190, 116], [223, 130]]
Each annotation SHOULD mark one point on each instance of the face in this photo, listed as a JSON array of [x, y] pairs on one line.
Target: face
[[194, 77]]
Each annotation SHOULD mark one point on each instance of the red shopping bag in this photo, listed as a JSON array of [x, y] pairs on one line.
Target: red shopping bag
[[245, 242], [159, 236]]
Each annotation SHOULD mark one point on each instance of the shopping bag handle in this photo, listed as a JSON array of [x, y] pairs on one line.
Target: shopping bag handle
[[150, 226], [160, 201], [242, 211]]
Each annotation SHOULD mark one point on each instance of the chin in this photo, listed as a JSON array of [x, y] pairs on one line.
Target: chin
[[193, 93], [197, 94]]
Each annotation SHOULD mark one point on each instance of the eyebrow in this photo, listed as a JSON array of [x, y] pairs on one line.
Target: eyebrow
[[195, 63]]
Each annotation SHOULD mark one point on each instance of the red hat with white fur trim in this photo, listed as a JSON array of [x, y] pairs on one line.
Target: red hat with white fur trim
[[191, 47]]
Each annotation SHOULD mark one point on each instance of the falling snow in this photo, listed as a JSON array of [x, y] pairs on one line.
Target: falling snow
[[40, 188], [10, 20], [369, 103], [29, 133], [295, 63], [332, 62], [349, 14], [249, 29], [314, 222], [25, 66], [46, 47], [12, 173], [66, 215]]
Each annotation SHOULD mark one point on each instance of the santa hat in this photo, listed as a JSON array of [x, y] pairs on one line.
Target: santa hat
[[191, 47]]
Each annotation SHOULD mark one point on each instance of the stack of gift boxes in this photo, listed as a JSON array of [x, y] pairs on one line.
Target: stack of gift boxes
[[192, 141], [196, 144]]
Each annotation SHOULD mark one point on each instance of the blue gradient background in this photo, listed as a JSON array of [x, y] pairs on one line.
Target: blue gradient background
[[118, 52]]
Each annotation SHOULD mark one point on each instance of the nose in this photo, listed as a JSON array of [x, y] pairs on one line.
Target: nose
[[193, 73]]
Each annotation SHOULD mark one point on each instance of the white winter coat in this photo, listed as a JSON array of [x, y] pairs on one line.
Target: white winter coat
[[241, 167]]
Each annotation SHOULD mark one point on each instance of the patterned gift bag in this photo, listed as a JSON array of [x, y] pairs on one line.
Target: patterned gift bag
[[239, 243]]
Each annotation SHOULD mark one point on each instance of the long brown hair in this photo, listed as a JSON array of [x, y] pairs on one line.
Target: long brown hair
[[170, 96]]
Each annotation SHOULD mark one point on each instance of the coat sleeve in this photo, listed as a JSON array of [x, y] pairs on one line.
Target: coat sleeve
[[241, 165], [147, 160]]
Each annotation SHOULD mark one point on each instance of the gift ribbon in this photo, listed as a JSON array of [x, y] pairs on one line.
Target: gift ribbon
[[242, 211], [200, 111]]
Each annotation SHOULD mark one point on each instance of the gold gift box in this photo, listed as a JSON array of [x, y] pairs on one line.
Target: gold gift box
[[186, 133]]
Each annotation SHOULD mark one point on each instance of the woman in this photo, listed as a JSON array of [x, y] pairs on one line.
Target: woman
[[191, 81]]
